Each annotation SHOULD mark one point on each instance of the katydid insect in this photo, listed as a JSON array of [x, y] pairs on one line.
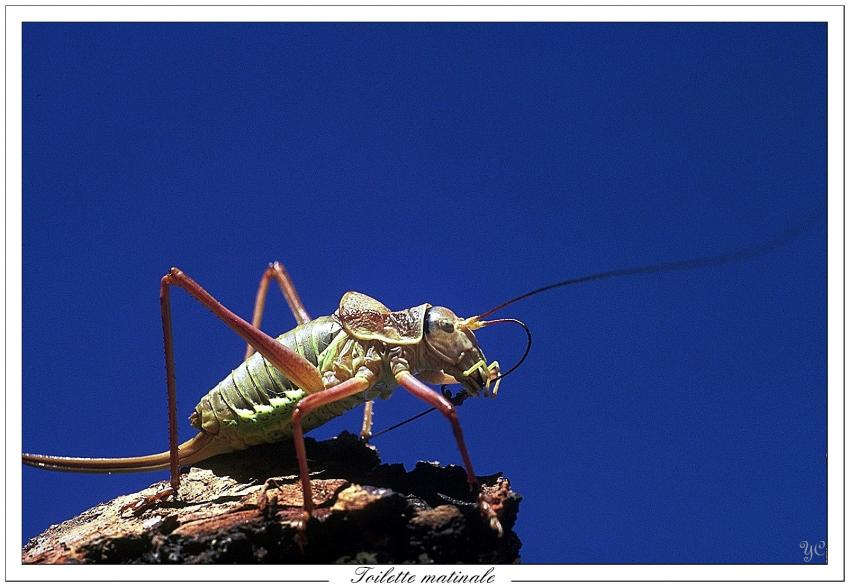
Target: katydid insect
[[309, 375], [331, 364]]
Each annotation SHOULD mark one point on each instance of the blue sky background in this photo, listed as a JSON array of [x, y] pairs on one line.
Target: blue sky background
[[659, 419]]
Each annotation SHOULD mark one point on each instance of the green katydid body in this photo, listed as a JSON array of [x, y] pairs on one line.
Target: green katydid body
[[254, 404]]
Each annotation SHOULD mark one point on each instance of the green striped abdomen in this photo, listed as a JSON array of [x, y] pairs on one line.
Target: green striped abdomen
[[254, 404]]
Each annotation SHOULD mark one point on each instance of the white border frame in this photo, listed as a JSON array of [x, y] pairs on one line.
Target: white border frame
[[832, 14]]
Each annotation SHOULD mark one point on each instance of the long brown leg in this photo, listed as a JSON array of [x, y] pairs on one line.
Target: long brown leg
[[423, 392], [304, 407], [295, 367], [173, 440], [277, 271]]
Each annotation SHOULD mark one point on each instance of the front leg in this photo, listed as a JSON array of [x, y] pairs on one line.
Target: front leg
[[445, 407]]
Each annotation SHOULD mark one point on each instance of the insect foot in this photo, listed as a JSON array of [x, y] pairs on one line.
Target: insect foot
[[493, 499], [489, 513], [139, 506]]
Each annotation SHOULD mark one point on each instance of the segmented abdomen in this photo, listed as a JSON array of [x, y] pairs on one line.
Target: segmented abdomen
[[254, 404]]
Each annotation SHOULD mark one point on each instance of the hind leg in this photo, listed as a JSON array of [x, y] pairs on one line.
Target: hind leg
[[347, 388], [277, 271], [296, 368]]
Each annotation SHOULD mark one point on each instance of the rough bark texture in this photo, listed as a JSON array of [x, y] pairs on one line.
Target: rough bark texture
[[367, 512]]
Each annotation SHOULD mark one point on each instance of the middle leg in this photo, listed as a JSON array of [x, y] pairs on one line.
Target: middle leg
[[340, 391]]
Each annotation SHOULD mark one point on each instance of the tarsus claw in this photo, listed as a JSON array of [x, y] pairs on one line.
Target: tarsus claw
[[490, 514]]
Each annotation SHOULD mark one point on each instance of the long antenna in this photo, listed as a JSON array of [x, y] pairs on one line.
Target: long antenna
[[686, 264], [682, 265]]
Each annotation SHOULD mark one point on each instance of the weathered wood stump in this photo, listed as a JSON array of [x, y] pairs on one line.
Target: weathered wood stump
[[366, 512]]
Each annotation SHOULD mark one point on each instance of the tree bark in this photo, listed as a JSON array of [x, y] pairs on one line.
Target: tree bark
[[366, 512]]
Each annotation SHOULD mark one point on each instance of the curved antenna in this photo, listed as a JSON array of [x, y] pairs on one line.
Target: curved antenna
[[482, 324], [682, 265]]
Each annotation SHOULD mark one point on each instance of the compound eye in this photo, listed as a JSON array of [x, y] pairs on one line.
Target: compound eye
[[440, 319]]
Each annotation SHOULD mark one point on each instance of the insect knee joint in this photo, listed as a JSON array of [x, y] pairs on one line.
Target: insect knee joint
[[169, 278], [299, 411]]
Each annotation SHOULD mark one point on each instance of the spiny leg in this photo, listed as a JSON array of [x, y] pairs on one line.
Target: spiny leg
[[277, 271], [295, 367], [445, 407]]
